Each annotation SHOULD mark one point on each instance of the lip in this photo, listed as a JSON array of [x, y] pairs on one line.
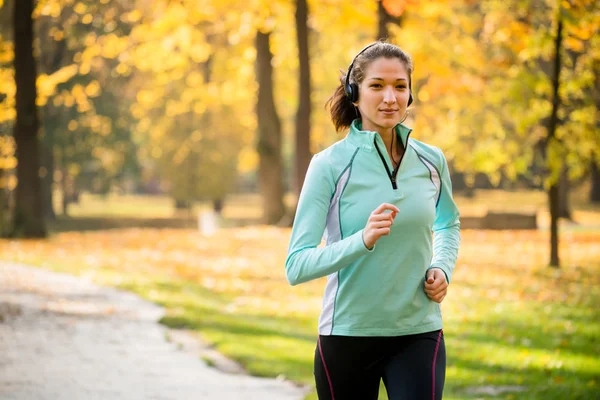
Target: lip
[[389, 111]]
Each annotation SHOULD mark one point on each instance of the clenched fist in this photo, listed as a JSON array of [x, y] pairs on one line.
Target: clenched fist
[[379, 224], [436, 286]]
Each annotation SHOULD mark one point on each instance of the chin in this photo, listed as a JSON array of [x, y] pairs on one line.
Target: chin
[[390, 123]]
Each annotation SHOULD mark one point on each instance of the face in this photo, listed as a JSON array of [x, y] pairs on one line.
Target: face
[[383, 94]]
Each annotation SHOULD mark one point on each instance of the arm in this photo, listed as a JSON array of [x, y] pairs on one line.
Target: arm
[[446, 227], [305, 261]]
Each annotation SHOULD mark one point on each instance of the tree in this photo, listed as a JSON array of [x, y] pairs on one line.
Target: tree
[[269, 134], [553, 191], [28, 218], [595, 164], [304, 104], [194, 94], [7, 144], [487, 102], [51, 59], [385, 17]]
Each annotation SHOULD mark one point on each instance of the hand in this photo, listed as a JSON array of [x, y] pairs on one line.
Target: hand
[[379, 224], [436, 286]]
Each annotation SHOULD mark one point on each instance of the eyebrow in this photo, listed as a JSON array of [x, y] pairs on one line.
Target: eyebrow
[[381, 79]]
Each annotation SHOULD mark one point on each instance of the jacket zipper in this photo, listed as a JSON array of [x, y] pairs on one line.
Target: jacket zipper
[[391, 175]]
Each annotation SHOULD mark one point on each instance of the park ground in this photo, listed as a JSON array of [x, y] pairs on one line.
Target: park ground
[[514, 328]]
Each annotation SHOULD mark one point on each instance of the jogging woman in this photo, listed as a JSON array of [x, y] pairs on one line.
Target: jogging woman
[[383, 202]]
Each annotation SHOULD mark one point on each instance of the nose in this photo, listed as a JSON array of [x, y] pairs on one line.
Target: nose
[[388, 95]]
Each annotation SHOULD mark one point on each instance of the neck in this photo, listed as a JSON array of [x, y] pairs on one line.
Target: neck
[[393, 144], [387, 136]]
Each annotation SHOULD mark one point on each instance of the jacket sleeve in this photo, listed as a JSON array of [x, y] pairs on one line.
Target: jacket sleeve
[[446, 227], [305, 261]]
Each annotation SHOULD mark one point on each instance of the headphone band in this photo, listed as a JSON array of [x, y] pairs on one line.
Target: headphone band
[[352, 63]]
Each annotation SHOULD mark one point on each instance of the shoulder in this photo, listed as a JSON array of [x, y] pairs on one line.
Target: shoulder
[[429, 152], [335, 157]]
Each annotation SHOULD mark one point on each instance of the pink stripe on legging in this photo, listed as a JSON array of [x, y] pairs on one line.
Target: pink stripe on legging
[[437, 346], [326, 370]]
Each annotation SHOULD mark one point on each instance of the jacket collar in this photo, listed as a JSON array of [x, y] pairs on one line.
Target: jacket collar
[[366, 139]]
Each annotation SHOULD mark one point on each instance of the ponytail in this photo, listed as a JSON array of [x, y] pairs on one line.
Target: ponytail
[[343, 112]]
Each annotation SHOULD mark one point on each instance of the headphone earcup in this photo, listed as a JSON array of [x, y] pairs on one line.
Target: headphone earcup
[[410, 98], [352, 92]]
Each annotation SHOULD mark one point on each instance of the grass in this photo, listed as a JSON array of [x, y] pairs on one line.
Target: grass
[[114, 211], [509, 319]]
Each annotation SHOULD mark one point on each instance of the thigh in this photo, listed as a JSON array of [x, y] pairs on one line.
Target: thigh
[[347, 368], [418, 369]]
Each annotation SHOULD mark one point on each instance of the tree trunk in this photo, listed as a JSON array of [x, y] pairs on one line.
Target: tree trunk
[[595, 187], [554, 202], [52, 58], [28, 218], [304, 106], [564, 210], [66, 193], [48, 178], [384, 18], [553, 193], [269, 136], [218, 206], [181, 204], [4, 211]]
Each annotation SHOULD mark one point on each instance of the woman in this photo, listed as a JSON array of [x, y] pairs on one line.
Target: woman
[[377, 196]]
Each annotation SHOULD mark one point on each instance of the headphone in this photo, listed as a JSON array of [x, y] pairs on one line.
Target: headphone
[[351, 89]]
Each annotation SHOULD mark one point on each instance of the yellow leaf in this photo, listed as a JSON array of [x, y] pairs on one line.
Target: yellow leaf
[[93, 89], [146, 98], [87, 19], [80, 8], [68, 100], [248, 160], [112, 45], [200, 52], [6, 52], [133, 16], [123, 69], [85, 68], [74, 169], [574, 44], [396, 7], [90, 39], [46, 84], [8, 163]]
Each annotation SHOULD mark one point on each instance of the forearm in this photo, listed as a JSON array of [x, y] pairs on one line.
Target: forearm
[[445, 249], [308, 263]]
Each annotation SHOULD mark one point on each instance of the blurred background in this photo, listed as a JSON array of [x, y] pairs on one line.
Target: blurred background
[[189, 125]]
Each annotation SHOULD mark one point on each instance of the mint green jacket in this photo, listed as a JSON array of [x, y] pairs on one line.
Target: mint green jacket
[[377, 292]]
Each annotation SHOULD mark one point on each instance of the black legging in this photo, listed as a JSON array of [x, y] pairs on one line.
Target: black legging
[[413, 367]]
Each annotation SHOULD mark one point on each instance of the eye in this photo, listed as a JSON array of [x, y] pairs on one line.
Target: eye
[[376, 85], [401, 87]]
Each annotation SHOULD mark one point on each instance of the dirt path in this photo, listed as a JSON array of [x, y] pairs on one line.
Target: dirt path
[[62, 337]]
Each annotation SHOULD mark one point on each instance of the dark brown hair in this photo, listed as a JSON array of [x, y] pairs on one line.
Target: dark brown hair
[[343, 112]]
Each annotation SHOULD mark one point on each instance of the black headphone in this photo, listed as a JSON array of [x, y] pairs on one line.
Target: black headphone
[[351, 89]]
